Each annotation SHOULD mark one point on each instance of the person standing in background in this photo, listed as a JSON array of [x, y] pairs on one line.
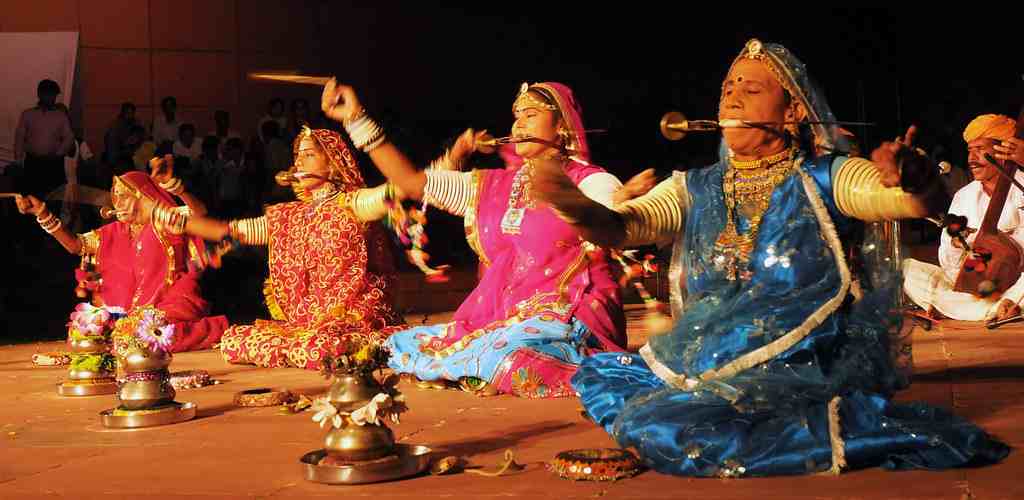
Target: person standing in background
[[41, 140]]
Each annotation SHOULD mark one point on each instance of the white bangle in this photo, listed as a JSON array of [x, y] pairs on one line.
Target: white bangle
[[173, 186], [365, 133]]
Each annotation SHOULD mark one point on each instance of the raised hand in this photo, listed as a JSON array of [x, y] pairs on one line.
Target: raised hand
[[639, 185], [29, 205], [161, 170], [340, 102], [1010, 149], [884, 157]]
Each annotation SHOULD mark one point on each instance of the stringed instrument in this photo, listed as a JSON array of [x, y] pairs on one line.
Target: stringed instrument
[[996, 260]]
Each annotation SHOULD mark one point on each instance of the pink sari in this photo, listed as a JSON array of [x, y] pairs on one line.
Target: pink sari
[[508, 327], [156, 269]]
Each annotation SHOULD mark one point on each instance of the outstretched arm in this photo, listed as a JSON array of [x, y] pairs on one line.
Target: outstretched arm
[[655, 217], [30, 205]]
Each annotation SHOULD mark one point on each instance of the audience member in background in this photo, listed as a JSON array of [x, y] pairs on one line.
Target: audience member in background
[[186, 143], [298, 117], [116, 141], [223, 130], [146, 149], [41, 140], [277, 157], [275, 113], [166, 125], [202, 178], [231, 172]]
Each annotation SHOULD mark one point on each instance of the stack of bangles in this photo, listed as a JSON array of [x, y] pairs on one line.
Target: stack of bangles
[[264, 397], [146, 376], [365, 133], [608, 464], [191, 379], [49, 222], [173, 186], [169, 220]]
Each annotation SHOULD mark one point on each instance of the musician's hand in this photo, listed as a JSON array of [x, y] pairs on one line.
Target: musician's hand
[[161, 170], [1010, 149], [340, 102], [884, 157], [639, 185], [29, 205], [966, 233], [1006, 310]]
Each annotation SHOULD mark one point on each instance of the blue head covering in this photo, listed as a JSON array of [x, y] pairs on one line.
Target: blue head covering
[[811, 103]]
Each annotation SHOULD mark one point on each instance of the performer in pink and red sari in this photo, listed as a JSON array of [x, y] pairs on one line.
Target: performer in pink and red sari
[[547, 298], [332, 275], [136, 263]]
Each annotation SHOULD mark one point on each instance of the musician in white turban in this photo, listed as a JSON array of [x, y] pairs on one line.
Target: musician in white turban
[[931, 286]]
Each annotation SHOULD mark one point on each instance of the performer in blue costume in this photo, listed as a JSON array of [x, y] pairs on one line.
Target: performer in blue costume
[[781, 359]]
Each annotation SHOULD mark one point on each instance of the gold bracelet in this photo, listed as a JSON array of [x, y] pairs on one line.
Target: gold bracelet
[[173, 186], [608, 464], [859, 193], [50, 223], [53, 228], [370, 204], [264, 397], [169, 220]]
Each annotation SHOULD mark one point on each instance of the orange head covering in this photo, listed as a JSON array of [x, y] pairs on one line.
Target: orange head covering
[[998, 127]]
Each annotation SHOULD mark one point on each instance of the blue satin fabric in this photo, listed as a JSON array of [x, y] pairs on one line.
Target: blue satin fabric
[[772, 419], [701, 434], [483, 357]]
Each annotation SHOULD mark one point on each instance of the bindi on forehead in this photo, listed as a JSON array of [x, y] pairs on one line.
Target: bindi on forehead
[[750, 70]]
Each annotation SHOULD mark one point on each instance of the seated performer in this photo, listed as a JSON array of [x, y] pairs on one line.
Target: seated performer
[[774, 364], [137, 263], [332, 275], [930, 286], [547, 298]]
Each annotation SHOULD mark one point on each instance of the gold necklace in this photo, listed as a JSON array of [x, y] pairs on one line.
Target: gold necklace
[[520, 192], [761, 162], [747, 187]]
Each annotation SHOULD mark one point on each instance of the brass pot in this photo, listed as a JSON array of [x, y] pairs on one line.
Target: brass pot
[[88, 374], [349, 392], [144, 361], [88, 346], [357, 443], [145, 394]]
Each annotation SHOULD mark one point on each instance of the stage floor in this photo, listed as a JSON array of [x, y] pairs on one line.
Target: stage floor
[[54, 446]]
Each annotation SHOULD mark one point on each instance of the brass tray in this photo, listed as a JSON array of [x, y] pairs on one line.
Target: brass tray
[[408, 460], [180, 412]]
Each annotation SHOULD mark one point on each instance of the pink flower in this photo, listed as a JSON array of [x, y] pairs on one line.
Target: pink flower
[[89, 319], [157, 336]]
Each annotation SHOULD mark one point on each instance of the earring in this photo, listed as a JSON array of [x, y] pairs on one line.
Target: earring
[[564, 137]]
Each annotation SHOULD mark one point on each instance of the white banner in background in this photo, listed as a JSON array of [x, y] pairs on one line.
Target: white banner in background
[[26, 58]]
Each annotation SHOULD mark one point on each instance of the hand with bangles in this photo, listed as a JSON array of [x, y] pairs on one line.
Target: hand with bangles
[[596, 223], [29, 205], [637, 186], [340, 102], [161, 170], [905, 166]]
